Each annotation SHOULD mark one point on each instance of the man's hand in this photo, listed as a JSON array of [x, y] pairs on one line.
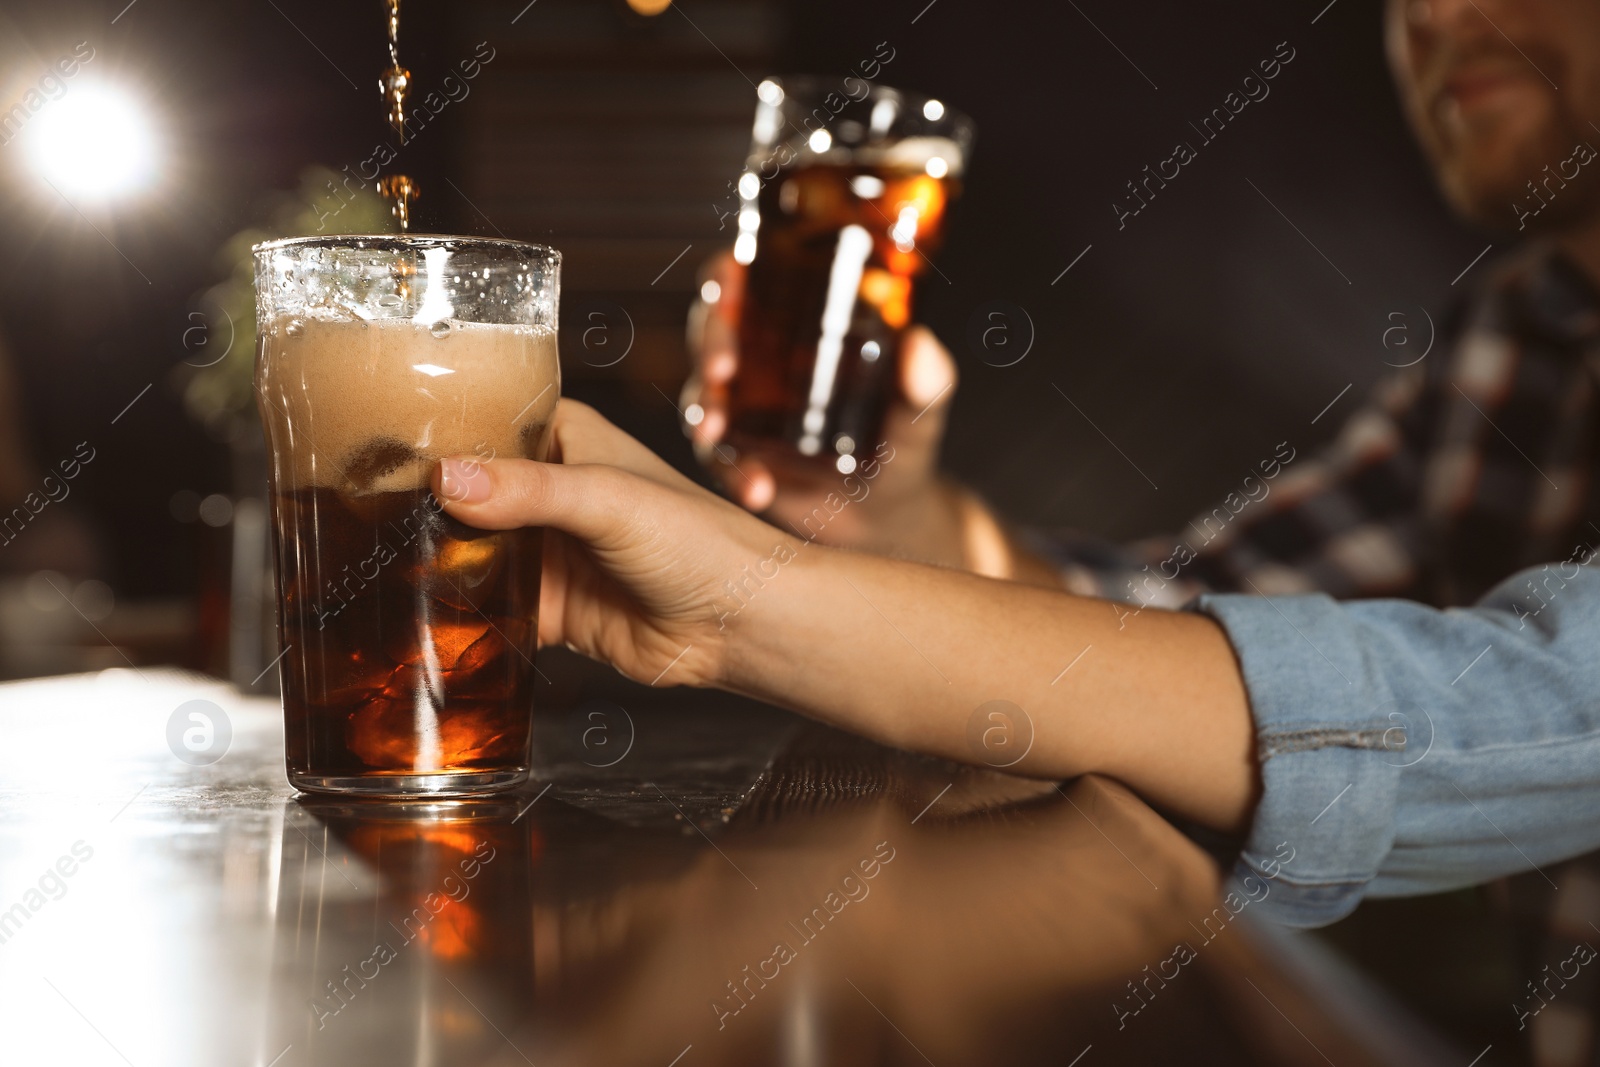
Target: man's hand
[[909, 511]]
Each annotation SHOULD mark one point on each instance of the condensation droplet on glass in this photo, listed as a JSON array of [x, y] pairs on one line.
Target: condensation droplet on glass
[[440, 328]]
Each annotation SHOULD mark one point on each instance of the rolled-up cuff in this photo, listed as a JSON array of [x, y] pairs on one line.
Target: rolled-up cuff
[[1330, 740]]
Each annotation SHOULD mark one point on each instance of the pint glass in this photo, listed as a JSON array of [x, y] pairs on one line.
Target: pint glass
[[842, 202], [408, 638]]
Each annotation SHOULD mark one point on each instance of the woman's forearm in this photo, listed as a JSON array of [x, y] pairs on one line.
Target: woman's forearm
[[909, 654], [656, 576]]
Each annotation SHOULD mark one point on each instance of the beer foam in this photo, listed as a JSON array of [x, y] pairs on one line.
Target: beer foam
[[913, 153], [368, 406]]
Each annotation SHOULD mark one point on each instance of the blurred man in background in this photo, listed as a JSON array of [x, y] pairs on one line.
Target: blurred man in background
[[1447, 482]]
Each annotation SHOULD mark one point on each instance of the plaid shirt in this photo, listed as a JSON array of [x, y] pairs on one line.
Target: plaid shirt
[[1472, 464], [1475, 463]]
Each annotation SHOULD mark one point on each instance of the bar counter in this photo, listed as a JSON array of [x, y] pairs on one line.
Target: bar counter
[[692, 880]]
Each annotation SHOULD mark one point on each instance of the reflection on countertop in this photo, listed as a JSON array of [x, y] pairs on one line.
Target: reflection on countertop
[[735, 887]]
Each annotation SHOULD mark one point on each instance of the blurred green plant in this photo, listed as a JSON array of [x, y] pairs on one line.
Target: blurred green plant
[[220, 394]]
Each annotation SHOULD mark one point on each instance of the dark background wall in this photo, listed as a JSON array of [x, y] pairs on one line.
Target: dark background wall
[[1218, 322]]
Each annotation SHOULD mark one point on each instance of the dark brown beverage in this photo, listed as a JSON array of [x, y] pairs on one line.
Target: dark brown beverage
[[411, 636], [828, 292], [841, 204], [395, 84], [408, 637]]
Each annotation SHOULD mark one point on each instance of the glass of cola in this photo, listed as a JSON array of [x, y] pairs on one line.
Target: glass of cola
[[408, 638]]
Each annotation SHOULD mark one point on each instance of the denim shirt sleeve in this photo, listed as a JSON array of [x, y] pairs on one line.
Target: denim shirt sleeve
[[1408, 750]]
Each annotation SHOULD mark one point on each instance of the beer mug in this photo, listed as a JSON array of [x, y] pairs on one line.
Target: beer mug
[[842, 202], [408, 638]]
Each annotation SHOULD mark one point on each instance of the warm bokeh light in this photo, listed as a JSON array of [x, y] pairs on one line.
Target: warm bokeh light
[[94, 142], [649, 7]]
